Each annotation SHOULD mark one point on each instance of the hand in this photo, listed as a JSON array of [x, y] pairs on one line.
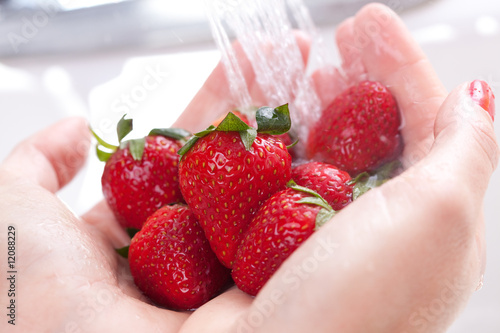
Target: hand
[[406, 261], [69, 278], [406, 256]]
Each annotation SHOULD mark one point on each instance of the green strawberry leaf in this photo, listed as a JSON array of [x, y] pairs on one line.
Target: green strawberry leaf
[[358, 178], [316, 199], [273, 121], [232, 123], [132, 231], [102, 142], [326, 212], [136, 147], [365, 181], [123, 251], [324, 215], [103, 149], [387, 170], [206, 132], [293, 144], [189, 144], [173, 133], [102, 155], [124, 127], [248, 137]]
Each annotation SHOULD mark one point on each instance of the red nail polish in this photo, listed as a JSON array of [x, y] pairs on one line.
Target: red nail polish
[[482, 94]]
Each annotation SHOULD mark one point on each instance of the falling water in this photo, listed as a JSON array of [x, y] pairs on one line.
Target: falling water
[[264, 31], [237, 83]]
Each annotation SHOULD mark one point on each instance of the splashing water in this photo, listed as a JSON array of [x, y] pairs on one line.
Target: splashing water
[[264, 31], [304, 21], [237, 83]]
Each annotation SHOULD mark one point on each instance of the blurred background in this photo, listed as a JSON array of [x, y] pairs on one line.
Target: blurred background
[[147, 58]]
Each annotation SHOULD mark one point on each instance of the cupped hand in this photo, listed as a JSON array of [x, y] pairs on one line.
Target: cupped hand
[[405, 257], [68, 276]]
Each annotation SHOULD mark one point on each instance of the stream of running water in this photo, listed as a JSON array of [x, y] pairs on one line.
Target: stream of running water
[[263, 29]]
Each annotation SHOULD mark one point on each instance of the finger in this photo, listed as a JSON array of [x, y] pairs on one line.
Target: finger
[[328, 82], [466, 152], [380, 41], [350, 54], [218, 314], [214, 98], [53, 156], [465, 138], [406, 251]]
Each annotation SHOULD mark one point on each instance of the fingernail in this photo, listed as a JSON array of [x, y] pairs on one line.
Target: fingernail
[[482, 95]]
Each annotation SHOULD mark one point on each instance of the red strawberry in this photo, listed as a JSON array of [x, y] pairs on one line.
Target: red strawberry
[[333, 184], [227, 172], [141, 175], [358, 131], [280, 226], [171, 260]]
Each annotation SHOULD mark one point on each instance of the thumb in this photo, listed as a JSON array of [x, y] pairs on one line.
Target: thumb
[[466, 149], [51, 157], [465, 139]]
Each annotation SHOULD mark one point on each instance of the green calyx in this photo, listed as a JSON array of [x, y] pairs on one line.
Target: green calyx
[[325, 214], [124, 127], [366, 181], [123, 252], [104, 150], [173, 133], [271, 121], [132, 231], [292, 144]]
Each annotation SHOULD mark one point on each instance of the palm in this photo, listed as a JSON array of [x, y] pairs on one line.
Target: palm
[[70, 262]]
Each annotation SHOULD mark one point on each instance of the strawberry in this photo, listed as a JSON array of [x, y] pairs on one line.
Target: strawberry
[[140, 175], [228, 171], [358, 131], [280, 226], [333, 184], [171, 260]]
